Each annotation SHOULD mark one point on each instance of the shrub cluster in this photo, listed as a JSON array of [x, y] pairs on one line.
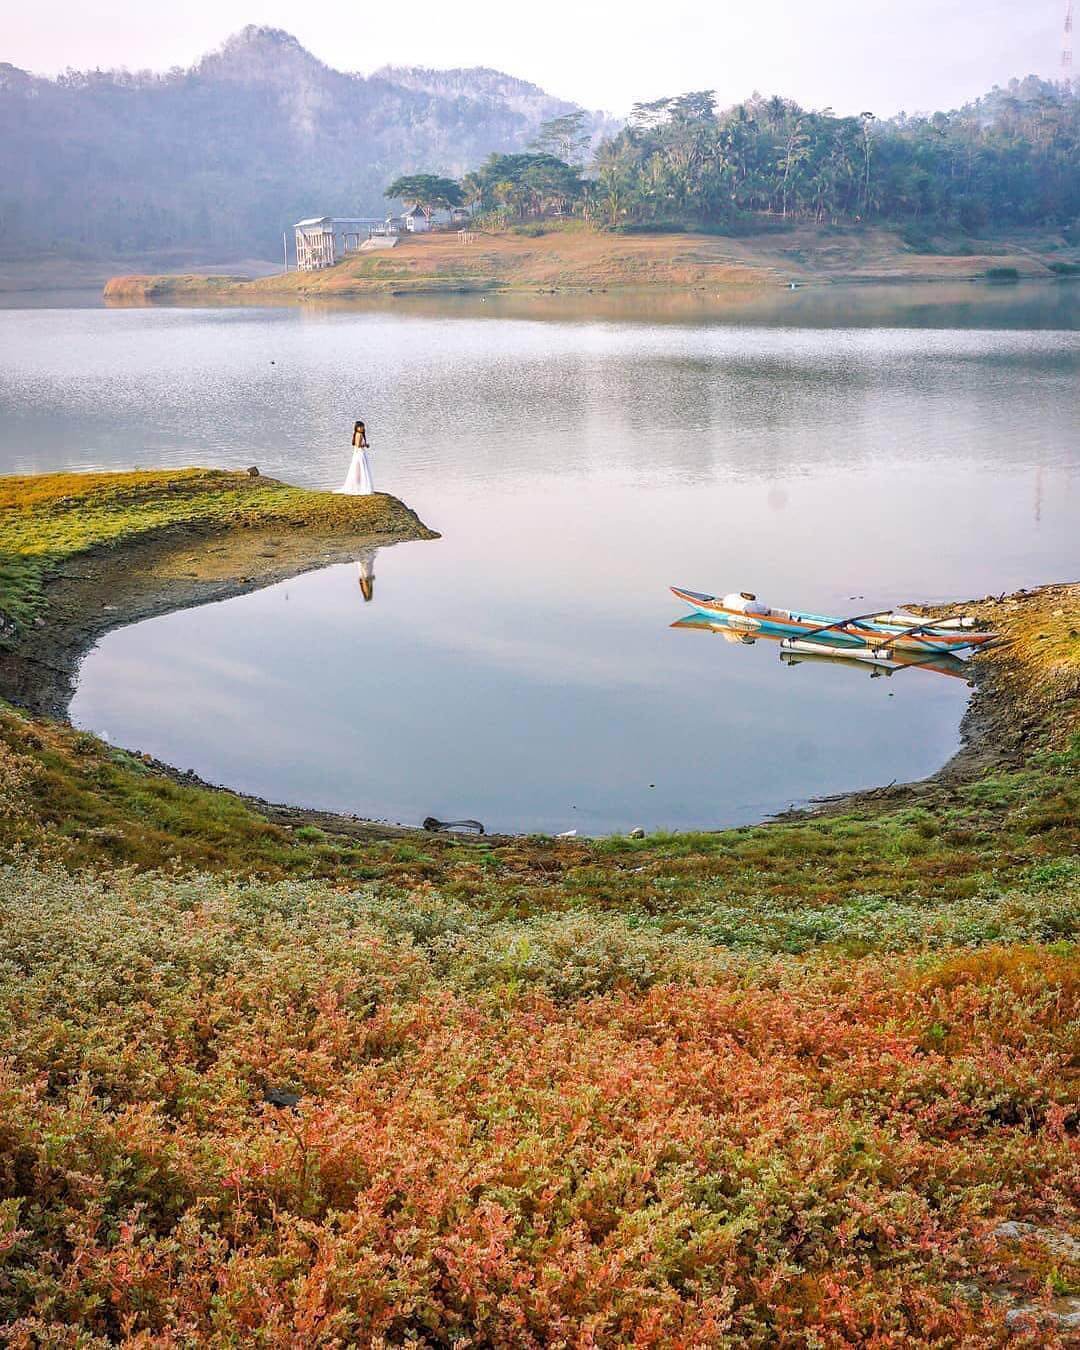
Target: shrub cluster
[[557, 1131]]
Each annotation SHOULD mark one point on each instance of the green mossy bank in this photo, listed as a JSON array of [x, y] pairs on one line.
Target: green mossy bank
[[49, 519], [82, 554]]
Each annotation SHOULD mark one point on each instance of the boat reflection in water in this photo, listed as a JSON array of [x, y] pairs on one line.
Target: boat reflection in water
[[831, 653]]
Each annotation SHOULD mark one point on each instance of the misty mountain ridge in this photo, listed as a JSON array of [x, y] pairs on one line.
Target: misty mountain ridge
[[219, 159], [261, 55], [479, 82], [224, 155]]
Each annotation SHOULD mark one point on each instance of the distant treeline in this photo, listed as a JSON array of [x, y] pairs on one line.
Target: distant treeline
[[1010, 159]]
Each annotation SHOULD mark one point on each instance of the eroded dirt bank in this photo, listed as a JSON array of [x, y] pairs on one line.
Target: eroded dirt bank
[[185, 566], [1026, 696]]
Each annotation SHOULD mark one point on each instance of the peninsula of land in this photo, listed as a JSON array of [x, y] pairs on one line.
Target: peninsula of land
[[572, 258], [82, 554]]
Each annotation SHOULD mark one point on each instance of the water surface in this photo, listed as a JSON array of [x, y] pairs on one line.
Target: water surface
[[577, 460]]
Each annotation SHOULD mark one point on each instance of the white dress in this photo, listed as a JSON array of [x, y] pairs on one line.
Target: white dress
[[358, 481]]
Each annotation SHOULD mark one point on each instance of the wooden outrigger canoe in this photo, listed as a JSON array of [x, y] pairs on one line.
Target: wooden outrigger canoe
[[794, 653], [881, 632]]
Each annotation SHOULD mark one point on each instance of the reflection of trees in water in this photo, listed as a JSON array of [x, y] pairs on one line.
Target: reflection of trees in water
[[713, 404], [695, 402]]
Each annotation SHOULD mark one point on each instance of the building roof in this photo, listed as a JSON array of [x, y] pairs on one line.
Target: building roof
[[336, 222]]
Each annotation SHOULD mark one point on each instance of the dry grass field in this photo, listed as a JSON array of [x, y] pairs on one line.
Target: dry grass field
[[572, 258]]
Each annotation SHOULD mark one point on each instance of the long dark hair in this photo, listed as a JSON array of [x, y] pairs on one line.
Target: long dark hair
[[359, 433]]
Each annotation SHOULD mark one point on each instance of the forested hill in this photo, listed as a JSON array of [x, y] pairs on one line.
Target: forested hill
[[1010, 159], [221, 157]]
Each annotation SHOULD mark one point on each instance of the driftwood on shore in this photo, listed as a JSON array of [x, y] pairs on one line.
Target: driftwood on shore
[[434, 826]]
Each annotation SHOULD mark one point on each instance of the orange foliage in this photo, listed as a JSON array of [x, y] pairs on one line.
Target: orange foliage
[[778, 1159]]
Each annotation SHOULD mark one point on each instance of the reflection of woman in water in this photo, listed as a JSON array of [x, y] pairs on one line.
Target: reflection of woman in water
[[365, 569], [358, 481]]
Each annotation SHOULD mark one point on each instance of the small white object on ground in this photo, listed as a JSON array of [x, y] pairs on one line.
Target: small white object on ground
[[567, 834]]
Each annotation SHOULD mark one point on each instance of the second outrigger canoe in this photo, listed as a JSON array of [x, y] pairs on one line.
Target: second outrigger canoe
[[879, 631], [795, 653]]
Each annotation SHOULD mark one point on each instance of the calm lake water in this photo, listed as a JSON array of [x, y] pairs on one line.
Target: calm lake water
[[833, 451]]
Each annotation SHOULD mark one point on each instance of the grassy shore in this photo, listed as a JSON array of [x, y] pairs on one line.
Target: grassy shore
[[573, 258], [49, 519], [810, 1083]]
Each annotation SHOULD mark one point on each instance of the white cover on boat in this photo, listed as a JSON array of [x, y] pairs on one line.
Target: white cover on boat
[[358, 481], [738, 602]]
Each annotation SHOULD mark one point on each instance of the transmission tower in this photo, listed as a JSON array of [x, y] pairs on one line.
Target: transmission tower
[[1067, 43]]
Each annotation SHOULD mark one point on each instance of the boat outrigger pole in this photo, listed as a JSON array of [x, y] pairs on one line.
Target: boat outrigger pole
[[915, 631], [879, 631], [841, 623]]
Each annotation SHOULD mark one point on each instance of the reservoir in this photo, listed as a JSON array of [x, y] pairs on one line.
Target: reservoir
[[831, 451]]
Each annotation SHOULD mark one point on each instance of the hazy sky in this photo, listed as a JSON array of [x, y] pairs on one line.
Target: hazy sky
[[884, 55]]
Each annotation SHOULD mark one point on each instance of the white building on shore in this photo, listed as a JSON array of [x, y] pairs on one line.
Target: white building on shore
[[324, 240]]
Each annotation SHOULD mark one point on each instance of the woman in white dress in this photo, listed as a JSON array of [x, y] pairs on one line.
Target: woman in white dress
[[358, 481]]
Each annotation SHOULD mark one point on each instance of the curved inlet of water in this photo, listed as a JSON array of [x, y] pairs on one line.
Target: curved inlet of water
[[522, 670], [545, 721]]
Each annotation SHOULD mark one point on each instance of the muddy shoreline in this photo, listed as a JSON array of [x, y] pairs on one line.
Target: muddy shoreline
[[185, 566], [1005, 721], [180, 567]]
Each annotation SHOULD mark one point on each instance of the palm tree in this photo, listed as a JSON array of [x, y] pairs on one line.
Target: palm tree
[[610, 164], [868, 120], [473, 190]]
